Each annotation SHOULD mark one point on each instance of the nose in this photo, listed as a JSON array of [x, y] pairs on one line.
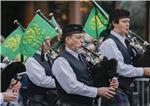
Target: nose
[[82, 40], [47, 42], [127, 23]]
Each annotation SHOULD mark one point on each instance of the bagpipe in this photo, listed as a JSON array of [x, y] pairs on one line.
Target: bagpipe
[[14, 70], [141, 59], [103, 69], [53, 53], [140, 50]]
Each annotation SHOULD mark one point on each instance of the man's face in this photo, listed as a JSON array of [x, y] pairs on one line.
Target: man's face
[[74, 41], [46, 44], [122, 27]]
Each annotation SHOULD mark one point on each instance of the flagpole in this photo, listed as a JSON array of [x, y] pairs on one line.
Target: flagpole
[[101, 9], [19, 25], [16, 22], [96, 23], [42, 15], [51, 15]]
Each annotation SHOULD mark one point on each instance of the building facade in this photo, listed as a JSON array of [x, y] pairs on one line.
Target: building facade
[[73, 12]]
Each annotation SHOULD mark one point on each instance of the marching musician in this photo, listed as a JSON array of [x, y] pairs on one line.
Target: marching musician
[[114, 46], [73, 79], [41, 80]]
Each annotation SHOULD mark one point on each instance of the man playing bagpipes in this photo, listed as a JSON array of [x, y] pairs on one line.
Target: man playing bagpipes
[[114, 46], [41, 81], [74, 82]]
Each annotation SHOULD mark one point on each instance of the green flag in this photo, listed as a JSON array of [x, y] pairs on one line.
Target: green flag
[[95, 23], [10, 46], [35, 34]]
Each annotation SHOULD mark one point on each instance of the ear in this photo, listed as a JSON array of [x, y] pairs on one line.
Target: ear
[[40, 48], [67, 39], [114, 24]]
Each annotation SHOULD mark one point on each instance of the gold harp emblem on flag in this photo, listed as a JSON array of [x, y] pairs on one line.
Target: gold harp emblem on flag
[[31, 34], [95, 20], [13, 42]]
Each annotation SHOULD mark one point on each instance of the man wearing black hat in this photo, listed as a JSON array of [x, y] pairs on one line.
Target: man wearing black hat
[[41, 80], [115, 47], [73, 80]]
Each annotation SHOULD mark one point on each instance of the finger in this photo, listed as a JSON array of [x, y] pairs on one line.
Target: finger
[[12, 98], [111, 89], [113, 80], [13, 82], [108, 96], [16, 86], [13, 94], [114, 85], [111, 92]]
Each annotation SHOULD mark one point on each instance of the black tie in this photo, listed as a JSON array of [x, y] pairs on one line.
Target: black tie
[[49, 58], [81, 58], [127, 42]]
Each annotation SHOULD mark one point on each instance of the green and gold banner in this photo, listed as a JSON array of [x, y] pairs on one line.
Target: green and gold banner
[[35, 34], [10, 46], [95, 23]]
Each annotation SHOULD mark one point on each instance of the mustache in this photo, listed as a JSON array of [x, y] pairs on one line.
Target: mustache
[[79, 45], [80, 50]]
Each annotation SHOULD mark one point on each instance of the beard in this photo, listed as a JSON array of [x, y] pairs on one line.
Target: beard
[[79, 49]]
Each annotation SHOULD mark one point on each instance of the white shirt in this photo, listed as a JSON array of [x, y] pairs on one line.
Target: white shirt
[[67, 78], [3, 65], [109, 49], [1, 98], [37, 75]]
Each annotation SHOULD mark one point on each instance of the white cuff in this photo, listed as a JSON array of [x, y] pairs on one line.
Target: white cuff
[[1, 98]]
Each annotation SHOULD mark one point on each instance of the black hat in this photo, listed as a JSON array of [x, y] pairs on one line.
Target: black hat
[[70, 29], [118, 14]]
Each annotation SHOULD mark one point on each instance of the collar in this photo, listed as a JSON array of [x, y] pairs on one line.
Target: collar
[[75, 54], [39, 52], [120, 37]]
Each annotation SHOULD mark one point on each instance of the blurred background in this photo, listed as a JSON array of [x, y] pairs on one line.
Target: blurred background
[[67, 12]]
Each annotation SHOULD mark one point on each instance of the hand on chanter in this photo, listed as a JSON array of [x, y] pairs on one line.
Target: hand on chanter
[[107, 92], [114, 83], [147, 71]]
